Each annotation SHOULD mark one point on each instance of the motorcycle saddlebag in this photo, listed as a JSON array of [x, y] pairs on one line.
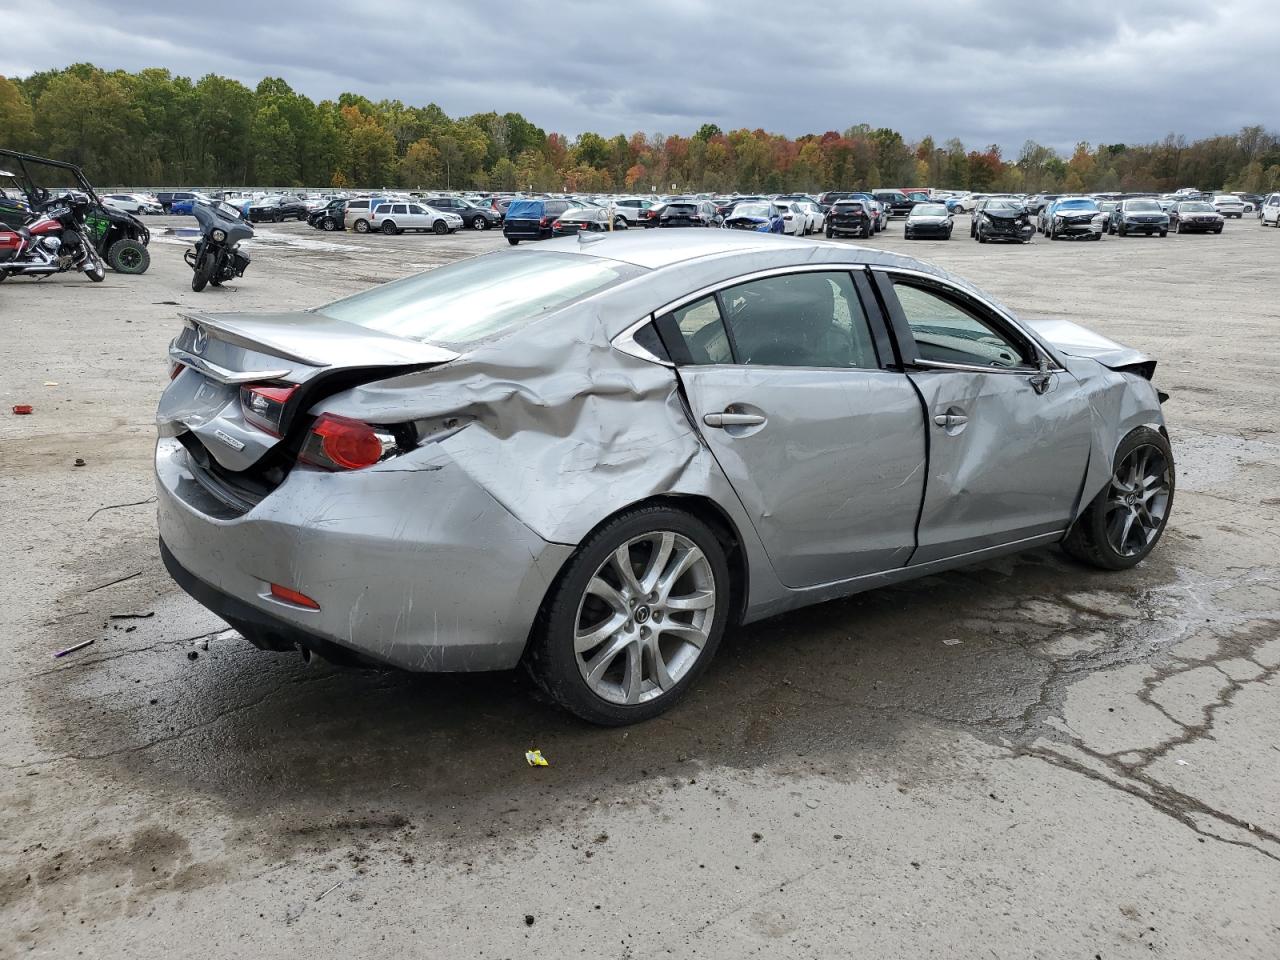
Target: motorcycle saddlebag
[[9, 243]]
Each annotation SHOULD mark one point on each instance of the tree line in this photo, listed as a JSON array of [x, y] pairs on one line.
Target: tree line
[[154, 128]]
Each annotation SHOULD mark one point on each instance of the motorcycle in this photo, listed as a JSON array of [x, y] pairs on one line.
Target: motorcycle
[[216, 256], [54, 242]]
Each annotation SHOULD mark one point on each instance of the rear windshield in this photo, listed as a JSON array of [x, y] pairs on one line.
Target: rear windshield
[[682, 207], [525, 210], [472, 300]]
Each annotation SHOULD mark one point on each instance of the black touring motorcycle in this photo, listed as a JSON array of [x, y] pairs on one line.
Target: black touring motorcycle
[[119, 238], [216, 256]]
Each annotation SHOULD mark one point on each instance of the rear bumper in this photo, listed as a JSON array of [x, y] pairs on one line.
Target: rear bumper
[[413, 564]]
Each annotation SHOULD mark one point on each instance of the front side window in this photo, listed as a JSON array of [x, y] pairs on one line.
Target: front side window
[[946, 332], [799, 320]]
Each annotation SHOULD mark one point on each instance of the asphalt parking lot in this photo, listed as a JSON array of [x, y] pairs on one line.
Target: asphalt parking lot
[[1024, 759]]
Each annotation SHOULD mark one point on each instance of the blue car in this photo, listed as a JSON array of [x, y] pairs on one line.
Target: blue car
[[184, 202], [760, 216]]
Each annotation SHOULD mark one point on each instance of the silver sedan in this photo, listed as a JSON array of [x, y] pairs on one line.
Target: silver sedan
[[593, 457]]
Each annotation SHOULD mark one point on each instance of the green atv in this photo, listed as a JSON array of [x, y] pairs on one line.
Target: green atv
[[120, 238]]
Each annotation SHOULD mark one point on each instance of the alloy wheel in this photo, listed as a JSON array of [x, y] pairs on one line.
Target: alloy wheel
[[644, 617], [1138, 501]]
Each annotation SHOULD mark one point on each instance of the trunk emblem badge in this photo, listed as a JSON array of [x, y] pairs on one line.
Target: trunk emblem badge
[[229, 440]]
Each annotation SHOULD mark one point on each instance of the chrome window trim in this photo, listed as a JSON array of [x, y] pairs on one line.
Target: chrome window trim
[[625, 341], [979, 368]]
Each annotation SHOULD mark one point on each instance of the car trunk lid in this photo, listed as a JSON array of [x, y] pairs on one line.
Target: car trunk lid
[[222, 353]]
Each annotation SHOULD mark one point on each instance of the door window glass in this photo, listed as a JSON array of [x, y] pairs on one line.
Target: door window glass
[[400, 208], [799, 320], [414, 208], [945, 332]]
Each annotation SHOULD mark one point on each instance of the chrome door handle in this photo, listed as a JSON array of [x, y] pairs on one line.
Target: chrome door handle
[[950, 419], [732, 419]]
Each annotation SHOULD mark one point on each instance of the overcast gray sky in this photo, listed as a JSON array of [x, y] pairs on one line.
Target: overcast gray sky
[[986, 71]]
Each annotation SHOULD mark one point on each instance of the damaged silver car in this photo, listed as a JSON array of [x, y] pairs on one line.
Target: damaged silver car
[[594, 456]]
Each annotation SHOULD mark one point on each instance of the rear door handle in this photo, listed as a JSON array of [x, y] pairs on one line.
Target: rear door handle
[[732, 419], [950, 419]]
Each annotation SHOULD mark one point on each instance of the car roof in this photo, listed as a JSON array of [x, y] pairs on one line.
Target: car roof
[[656, 249]]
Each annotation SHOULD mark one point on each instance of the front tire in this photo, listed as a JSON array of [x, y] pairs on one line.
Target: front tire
[[439, 228], [203, 272], [128, 256], [634, 618], [479, 223], [329, 225], [1126, 519]]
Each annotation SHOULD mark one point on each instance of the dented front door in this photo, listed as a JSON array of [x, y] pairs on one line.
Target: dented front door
[[1005, 462]]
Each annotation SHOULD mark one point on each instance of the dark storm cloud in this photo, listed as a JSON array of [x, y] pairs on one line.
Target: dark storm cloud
[[986, 71]]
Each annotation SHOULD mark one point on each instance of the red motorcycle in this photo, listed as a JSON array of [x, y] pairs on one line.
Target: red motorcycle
[[54, 242]]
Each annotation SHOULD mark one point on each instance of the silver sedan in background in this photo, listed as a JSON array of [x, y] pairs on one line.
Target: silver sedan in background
[[594, 456]]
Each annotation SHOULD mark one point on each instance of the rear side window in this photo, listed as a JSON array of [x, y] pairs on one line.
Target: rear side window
[[695, 333]]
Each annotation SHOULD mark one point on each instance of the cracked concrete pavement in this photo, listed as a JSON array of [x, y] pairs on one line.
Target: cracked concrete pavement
[[1022, 759]]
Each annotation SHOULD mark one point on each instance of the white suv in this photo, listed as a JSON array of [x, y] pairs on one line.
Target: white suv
[[1271, 210], [393, 218]]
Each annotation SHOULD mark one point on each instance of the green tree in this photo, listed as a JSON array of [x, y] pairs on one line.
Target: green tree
[[421, 165], [17, 128], [275, 151]]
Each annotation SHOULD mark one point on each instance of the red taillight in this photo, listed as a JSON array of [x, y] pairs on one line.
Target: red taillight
[[542, 221], [264, 406], [555, 225], [293, 596], [340, 443], [176, 368]]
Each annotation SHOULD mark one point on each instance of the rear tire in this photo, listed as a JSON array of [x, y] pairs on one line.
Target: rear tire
[[361, 226], [645, 676], [128, 256], [512, 240], [1125, 521], [388, 228]]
